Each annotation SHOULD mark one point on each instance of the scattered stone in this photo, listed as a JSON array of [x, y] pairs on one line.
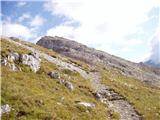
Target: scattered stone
[[109, 94], [62, 99], [5, 109], [68, 84], [91, 105], [98, 96], [54, 75], [58, 103], [39, 102]]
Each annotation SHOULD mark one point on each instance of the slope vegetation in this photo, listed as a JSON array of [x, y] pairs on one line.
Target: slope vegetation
[[99, 93]]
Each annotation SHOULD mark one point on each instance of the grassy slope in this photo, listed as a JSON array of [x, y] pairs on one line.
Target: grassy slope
[[145, 99], [22, 90]]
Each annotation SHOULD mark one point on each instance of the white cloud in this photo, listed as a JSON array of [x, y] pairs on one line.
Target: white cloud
[[101, 21], [16, 30], [64, 31], [155, 47], [24, 17], [21, 3], [37, 21]]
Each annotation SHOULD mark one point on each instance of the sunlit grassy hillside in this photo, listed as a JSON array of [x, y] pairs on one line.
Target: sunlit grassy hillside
[[34, 96]]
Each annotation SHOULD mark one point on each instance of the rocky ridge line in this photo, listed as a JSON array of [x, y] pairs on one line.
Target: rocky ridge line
[[73, 49]]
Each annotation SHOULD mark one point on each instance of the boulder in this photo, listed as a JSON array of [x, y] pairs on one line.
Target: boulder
[[31, 60], [69, 85], [54, 75], [5, 109]]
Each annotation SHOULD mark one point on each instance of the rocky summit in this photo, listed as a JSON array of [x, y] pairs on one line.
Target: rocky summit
[[60, 79], [70, 48]]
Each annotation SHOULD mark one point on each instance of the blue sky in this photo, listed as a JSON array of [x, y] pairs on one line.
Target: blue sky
[[120, 27]]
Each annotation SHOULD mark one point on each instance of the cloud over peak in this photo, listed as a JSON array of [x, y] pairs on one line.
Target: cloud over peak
[[37, 21], [16, 30], [102, 22]]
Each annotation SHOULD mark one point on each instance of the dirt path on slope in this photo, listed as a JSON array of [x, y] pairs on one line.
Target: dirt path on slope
[[114, 101]]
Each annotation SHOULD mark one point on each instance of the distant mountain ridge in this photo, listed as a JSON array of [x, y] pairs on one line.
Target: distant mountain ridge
[[152, 63]]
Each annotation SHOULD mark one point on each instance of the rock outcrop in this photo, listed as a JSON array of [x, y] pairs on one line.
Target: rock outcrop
[[32, 60]]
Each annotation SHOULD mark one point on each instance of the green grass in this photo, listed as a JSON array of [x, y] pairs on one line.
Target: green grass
[[115, 116], [7, 47], [22, 90], [35, 96], [144, 98]]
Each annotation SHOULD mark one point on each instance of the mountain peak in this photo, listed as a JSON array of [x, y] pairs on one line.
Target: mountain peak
[[92, 56]]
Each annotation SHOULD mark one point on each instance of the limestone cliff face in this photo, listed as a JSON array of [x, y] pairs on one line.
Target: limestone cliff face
[[92, 56]]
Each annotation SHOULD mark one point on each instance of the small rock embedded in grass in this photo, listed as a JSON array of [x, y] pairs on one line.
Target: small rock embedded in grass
[[54, 75], [39, 102], [68, 84], [5, 109], [91, 105]]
